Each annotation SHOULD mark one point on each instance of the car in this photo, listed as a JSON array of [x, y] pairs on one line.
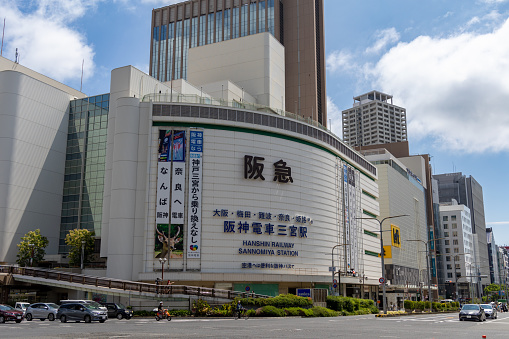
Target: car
[[472, 311], [42, 311], [9, 313], [89, 302], [81, 312], [117, 310], [490, 311], [22, 306]]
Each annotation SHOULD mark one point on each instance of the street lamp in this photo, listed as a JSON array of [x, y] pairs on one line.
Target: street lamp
[[333, 268], [82, 253], [427, 271], [382, 253], [32, 247], [162, 261]]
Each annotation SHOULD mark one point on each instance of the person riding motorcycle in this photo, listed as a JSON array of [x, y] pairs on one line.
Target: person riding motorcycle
[[160, 308]]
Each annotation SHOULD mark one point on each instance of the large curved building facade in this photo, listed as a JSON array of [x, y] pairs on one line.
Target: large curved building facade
[[233, 197]]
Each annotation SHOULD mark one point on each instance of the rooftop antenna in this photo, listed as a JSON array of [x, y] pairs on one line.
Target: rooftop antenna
[[16, 59], [81, 85], [3, 32]]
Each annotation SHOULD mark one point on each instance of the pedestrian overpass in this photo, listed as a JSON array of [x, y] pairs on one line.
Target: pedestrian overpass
[[114, 287]]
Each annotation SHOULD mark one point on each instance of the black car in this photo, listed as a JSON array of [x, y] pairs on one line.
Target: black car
[[472, 312], [117, 310]]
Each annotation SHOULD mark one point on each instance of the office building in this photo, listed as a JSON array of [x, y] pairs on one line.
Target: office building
[[467, 191], [296, 25], [458, 243], [374, 120], [493, 256], [404, 237]]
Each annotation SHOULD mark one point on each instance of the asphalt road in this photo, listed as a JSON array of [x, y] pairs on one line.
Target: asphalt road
[[415, 327]]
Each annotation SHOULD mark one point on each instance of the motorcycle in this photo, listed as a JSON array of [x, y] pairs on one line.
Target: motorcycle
[[164, 314]]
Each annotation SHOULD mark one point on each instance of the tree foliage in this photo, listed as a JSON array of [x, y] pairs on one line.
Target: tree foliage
[[36, 252], [73, 239]]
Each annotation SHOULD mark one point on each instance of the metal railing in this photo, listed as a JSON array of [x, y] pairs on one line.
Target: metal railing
[[196, 99], [125, 285]]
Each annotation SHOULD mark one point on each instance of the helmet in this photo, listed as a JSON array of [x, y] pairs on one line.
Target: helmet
[[160, 302]]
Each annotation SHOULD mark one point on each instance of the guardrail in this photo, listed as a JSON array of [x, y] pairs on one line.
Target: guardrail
[[126, 285]]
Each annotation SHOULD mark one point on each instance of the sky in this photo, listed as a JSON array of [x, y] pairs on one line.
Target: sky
[[445, 61]]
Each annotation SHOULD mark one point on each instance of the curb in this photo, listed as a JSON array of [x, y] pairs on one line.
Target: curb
[[407, 314]]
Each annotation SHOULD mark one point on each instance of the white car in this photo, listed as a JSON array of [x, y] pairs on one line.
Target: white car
[[490, 311], [22, 306], [42, 311]]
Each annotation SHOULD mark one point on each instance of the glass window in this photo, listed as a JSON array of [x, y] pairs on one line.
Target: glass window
[[270, 16], [203, 26], [236, 22], [261, 16], [252, 18], [453, 217], [243, 20], [185, 48], [446, 234], [447, 250], [226, 24], [219, 26], [445, 218], [455, 233], [447, 242], [194, 32], [454, 225], [155, 51], [210, 33], [178, 50], [162, 57], [446, 226]]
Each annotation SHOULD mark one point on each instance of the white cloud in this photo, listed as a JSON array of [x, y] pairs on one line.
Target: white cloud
[[497, 223], [383, 39], [455, 89], [335, 117], [46, 43], [494, 1], [340, 61]]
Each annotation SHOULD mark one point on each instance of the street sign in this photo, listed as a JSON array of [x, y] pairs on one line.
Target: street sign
[[335, 285], [381, 280], [332, 269], [335, 281], [248, 288]]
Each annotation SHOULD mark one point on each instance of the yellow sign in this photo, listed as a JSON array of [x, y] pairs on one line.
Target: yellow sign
[[387, 251], [395, 236]]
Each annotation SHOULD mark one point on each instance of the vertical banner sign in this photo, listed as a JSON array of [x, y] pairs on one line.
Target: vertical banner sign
[[178, 177], [195, 185], [162, 195], [347, 215], [352, 210]]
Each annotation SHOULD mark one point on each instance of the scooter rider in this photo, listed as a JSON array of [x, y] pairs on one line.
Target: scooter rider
[[160, 308]]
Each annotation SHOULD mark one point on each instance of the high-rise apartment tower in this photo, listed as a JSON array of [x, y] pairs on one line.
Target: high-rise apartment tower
[[296, 24], [374, 120]]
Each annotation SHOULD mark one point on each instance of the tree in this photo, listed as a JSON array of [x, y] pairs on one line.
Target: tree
[[31, 248], [74, 240]]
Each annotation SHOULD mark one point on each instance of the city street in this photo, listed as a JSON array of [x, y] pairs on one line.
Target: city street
[[367, 326]]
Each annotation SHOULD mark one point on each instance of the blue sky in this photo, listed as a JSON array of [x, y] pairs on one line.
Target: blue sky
[[445, 61]]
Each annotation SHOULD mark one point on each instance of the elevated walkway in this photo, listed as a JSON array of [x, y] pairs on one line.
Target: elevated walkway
[[115, 287]]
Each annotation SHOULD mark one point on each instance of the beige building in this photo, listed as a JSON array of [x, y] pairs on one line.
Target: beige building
[[296, 25]]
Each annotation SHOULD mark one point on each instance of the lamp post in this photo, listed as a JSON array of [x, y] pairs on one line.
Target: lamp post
[[427, 271], [32, 247], [162, 261], [333, 268], [82, 253], [382, 253]]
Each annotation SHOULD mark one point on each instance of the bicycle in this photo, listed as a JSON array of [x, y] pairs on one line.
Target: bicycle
[[241, 314]]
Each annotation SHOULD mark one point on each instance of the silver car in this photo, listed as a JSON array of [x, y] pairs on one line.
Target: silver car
[[42, 311], [490, 310]]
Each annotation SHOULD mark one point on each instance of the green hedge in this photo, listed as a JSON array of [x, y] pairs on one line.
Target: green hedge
[[348, 305], [409, 305], [281, 301]]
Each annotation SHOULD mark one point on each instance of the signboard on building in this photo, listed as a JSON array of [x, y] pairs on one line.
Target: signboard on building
[[395, 236]]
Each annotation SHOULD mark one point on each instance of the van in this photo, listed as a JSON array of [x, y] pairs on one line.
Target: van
[[88, 302], [446, 301]]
